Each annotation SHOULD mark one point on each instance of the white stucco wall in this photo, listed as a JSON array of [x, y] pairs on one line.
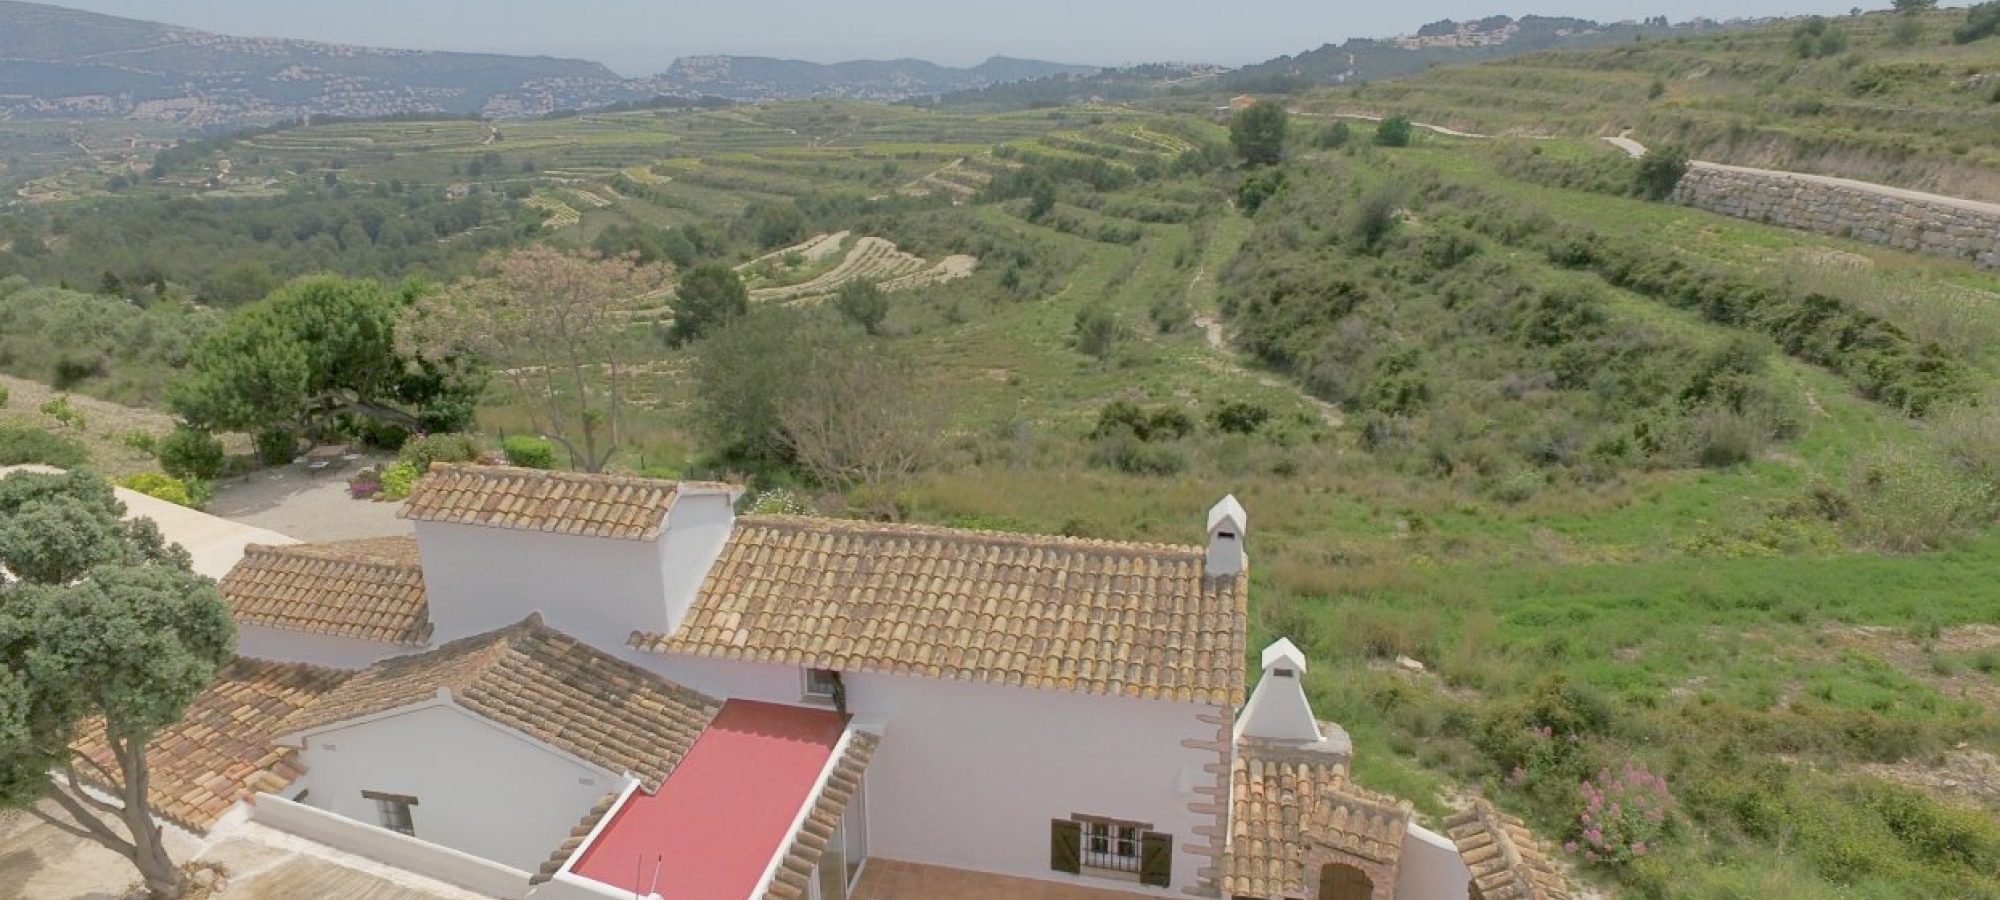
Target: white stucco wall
[[481, 789], [1431, 868], [419, 856], [597, 590], [698, 526], [969, 774], [279, 645]]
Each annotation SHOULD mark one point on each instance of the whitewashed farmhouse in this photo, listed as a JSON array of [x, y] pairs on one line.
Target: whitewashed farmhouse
[[575, 686]]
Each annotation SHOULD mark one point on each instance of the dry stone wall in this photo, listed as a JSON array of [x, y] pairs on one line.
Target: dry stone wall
[[1902, 220]]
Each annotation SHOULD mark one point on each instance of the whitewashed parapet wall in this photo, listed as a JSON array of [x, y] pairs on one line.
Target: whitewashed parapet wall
[[1828, 206]]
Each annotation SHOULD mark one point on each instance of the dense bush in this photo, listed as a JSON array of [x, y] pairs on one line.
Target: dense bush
[[193, 495], [1982, 20], [1139, 441], [20, 445], [399, 479], [1238, 417], [1817, 37], [276, 446], [1334, 136], [420, 453], [1394, 131], [1660, 172], [191, 454], [530, 452]]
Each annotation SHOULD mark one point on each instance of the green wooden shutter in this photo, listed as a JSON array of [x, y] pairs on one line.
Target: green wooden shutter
[[1156, 859], [1066, 846]]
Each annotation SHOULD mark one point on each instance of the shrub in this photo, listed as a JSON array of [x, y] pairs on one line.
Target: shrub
[[1906, 502], [780, 502], [1127, 453], [32, 446], [191, 494], [1660, 171], [1982, 20], [422, 451], [1333, 136], [1394, 131], [1375, 217], [863, 303], [1969, 437], [141, 441], [1123, 417], [530, 452], [1238, 417], [59, 409], [190, 454], [399, 480], [276, 446], [365, 485], [1097, 331], [1817, 38], [3, 396], [1625, 816]]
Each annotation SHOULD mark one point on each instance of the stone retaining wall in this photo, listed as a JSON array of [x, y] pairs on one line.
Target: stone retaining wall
[[1832, 209]]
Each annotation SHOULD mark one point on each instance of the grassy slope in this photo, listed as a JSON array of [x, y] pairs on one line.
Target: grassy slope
[[1919, 114]]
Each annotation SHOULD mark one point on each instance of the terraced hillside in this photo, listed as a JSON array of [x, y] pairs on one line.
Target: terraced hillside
[[1887, 97]]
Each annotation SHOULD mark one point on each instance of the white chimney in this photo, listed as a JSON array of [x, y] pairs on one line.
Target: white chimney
[[1226, 523], [1278, 709]]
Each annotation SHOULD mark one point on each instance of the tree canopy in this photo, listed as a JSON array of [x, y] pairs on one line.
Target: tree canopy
[[319, 348], [1258, 133], [106, 627], [550, 323], [708, 296]]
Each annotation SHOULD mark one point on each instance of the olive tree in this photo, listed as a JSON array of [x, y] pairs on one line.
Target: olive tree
[[104, 629]]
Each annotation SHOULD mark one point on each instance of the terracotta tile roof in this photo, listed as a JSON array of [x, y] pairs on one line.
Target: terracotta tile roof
[[1289, 806], [809, 844], [226, 746], [611, 506], [370, 589], [560, 856], [1140, 620], [1506, 861], [544, 684]]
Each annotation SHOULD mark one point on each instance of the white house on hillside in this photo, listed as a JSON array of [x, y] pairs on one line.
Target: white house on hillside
[[571, 686]]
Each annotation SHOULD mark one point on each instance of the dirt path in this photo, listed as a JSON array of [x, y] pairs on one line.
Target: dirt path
[[1225, 360]]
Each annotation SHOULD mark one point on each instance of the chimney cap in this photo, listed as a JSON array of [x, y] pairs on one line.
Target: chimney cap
[[1284, 651], [1228, 513]]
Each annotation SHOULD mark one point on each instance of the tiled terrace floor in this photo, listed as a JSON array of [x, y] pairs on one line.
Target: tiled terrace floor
[[886, 879]]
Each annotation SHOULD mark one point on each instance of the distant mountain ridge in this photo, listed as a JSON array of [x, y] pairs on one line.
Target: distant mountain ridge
[[58, 63]]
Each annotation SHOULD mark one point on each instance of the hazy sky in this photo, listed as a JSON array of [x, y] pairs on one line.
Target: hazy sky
[[639, 37]]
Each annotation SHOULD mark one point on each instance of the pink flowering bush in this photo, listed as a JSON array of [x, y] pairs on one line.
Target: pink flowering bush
[[1624, 816]]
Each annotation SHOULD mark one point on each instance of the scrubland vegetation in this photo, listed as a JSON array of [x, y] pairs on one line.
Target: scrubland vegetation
[[1689, 521]]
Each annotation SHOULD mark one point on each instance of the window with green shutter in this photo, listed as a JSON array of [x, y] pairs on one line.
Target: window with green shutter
[[1066, 846], [1156, 860]]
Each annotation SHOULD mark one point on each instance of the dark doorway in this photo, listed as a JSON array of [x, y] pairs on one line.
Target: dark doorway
[[1344, 882]]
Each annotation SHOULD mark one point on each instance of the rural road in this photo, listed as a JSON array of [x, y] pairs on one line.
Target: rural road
[[1626, 143]]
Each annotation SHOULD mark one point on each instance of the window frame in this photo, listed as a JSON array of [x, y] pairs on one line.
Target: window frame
[[390, 809], [810, 688], [1122, 843]]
